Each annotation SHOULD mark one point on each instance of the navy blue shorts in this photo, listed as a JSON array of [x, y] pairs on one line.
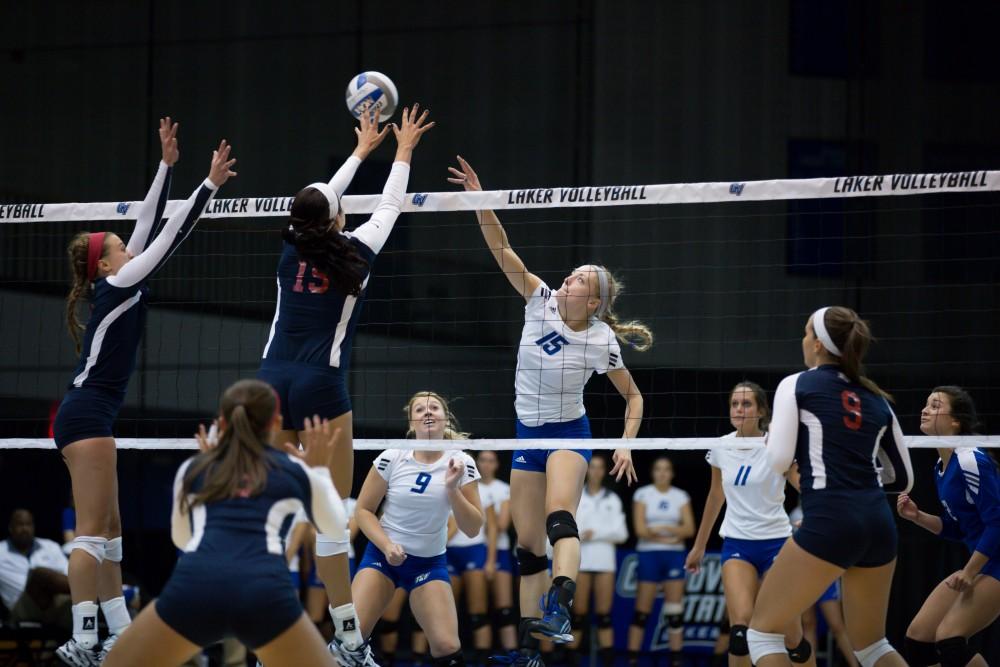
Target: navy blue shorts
[[86, 412], [533, 460], [832, 593], [759, 553], [305, 391], [504, 561], [661, 565], [848, 528], [465, 559], [413, 573], [205, 601]]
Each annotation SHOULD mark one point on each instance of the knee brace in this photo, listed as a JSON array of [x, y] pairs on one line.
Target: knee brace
[[528, 563], [113, 550], [604, 621], [95, 546], [955, 652], [801, 653], [504, 616], [639, 619], [920, 654], [560, 524], [674, 613], [477, 621], [456, 659], [327, 546], [764, 643], [577, 621], [869, 655], [738, 641], [388, 627]]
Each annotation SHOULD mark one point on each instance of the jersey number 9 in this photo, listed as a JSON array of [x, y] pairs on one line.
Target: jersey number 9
[[419, 486], [852, 406]]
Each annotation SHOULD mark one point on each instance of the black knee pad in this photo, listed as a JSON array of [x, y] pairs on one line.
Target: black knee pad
[[388, 627], [578, 621], [528, 563], [955, 652], [477, 621], [456, 659], [560, 524], [604, 621], [504, 616], [639, 619], [920, 654], [801, 653], [738, 640]]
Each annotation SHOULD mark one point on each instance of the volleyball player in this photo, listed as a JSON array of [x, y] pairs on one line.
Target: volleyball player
[[837, 424], [229, 504], [322, 276], [500, 571], [969, 488], [602, 526], [663, 519], [568, 334], [113, 275], [755, 526], [406, 547]]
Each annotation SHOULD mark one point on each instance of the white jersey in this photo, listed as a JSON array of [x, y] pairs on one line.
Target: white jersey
[[416, 508], [554, 362], [15, 566], [500, 492], [460, 539], [755, 494], [662, 509], [601, 514]]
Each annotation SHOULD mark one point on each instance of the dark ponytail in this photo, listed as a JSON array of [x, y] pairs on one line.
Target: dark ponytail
[[320, 244], [852, 336], [78, 249]]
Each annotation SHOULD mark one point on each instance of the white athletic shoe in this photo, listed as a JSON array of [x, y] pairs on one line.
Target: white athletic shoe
[[73, 654], [359, 657], [106, 645]]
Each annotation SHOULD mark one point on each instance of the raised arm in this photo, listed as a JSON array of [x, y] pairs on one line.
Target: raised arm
[[784, 426], [375, 232], [521, 280], [180, 522], [369, 138], [151, 208]]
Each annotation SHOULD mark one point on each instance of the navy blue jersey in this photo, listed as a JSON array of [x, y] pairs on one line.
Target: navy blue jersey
[[843, 436], [250, 527], [118, 306], [314, 322], [969, 489]]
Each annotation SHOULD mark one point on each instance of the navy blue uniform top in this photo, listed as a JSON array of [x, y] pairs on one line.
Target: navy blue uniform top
[[314, 322], [843, 436], [118, 307], [249, 527], [969, 489]]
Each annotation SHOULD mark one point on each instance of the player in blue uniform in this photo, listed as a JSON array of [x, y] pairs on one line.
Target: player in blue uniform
[[838, 426], [230, 503], [322, 276], [112, 275], [968, 485]]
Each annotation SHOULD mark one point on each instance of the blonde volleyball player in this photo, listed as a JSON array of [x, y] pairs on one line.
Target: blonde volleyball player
[[968, 484], [406, 547], [500, 571], [568, 334], [113, 276], [838, 426], [322, 275], [755, 526], [663, 520]]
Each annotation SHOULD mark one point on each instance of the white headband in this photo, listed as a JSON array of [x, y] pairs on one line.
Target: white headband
[[331, 197], [602, 289], [819, 326]]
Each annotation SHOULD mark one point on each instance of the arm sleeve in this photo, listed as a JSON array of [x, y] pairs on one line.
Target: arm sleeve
[[784, 431], [471, 473], [172, 235], [180, 522], [151, 209], [611, 357], [383, 463], [342, 179], [375, 232], [326, 507], [895, 469], [988, 505]]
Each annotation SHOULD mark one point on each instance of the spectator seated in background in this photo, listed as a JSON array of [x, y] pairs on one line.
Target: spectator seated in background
[[33, 583]]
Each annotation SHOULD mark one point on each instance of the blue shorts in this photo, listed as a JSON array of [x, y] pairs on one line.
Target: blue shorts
[[848, 528], [305, 391], [832, 593], [992, 569], [759, 553], [206, 600], [661, 565], [413, 573], [465, 559], [533, 460], [86, 412], [504, 561]]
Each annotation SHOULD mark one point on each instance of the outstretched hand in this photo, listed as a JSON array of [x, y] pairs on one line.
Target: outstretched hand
[[207, 439], [318, 441], [221, 165], [623, 467], [411, 128], [369, 136], [467, 177], [168, 141]]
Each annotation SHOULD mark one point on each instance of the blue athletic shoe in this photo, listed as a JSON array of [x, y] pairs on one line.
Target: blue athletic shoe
[[520, 658], [554, 623]]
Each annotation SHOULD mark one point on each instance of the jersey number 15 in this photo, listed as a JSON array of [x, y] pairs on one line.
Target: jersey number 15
[[314, 288]]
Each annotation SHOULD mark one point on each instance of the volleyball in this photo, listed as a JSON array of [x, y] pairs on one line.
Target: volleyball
[[372, 89]]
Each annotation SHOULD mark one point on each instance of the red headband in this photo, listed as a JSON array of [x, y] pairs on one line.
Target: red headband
[[95, 250]]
